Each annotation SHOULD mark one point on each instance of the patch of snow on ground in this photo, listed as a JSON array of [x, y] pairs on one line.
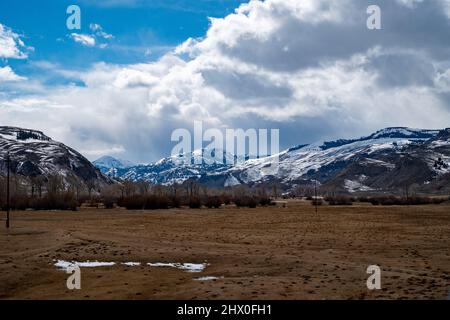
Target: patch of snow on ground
[[189, 267], [62, 264], [208, 278], [131, 264]]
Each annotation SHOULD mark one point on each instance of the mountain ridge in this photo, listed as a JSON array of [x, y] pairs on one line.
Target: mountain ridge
[[386, 160], [33, 154], [333, 163]]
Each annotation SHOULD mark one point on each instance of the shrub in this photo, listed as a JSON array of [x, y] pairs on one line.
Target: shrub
[[226, 199], [64, 201], [19, 202], [265, 201], [340, 201], [402, 201], [244, 201], [133, 203], [252, 203], [240, 201], [213, 202], [317, 202], [175, 202], [108, 203], [364, 199], [195, 203], [154, 202]]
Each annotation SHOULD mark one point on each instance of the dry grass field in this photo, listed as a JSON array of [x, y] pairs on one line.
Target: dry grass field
[[263, 253]]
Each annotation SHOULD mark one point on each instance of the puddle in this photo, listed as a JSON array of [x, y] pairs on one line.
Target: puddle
[[87, 264], [208, 278], [189, 267]]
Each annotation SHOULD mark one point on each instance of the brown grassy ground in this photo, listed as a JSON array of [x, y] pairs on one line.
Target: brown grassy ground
[[264, 253]]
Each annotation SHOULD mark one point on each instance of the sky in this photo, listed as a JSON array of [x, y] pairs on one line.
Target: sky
[[139, 69]]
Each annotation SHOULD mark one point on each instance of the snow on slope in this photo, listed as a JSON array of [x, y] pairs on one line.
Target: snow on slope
[[109, 165], [294, 165], [179, 168], [34, 154]]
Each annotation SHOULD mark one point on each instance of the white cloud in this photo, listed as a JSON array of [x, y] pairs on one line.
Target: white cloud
[[84, 39], [11, 46], [95, 27], [8, 75], [307, 67], [410, 3], [97, 37], [98, 31]]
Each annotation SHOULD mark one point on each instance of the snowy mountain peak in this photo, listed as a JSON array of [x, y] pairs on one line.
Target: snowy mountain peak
[[404, 132], [387, 133], [203, 156], [22, 135], [388, 158], [444, 135], [33, 154], [106, 163]]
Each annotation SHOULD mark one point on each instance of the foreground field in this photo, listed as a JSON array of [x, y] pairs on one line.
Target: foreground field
[[264, 253]]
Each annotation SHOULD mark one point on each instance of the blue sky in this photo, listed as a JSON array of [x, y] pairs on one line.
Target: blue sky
[[140, 69], [142, 30]]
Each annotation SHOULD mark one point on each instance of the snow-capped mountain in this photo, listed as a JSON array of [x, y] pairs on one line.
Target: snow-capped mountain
[[34, 154], [387, 159], [177, 169], [108, 165]]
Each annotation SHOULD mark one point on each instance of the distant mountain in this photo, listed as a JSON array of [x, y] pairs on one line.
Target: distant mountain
[[177, 169], [34, 154], [395, 132], [108, 165], [389, 159]]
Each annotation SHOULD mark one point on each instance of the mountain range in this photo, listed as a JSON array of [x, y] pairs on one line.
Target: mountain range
[[388, 160]]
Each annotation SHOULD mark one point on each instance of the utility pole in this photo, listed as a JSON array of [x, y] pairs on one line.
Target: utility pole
[[315, 194], [8, 160]]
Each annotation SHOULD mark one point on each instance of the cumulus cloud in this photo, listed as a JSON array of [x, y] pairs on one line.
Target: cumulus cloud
[[98, 37], [11, 45], [98, 31], [310, 68], [84, 39], [8, 75]]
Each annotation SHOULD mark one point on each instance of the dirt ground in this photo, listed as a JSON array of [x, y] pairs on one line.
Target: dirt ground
[[264, 253]]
